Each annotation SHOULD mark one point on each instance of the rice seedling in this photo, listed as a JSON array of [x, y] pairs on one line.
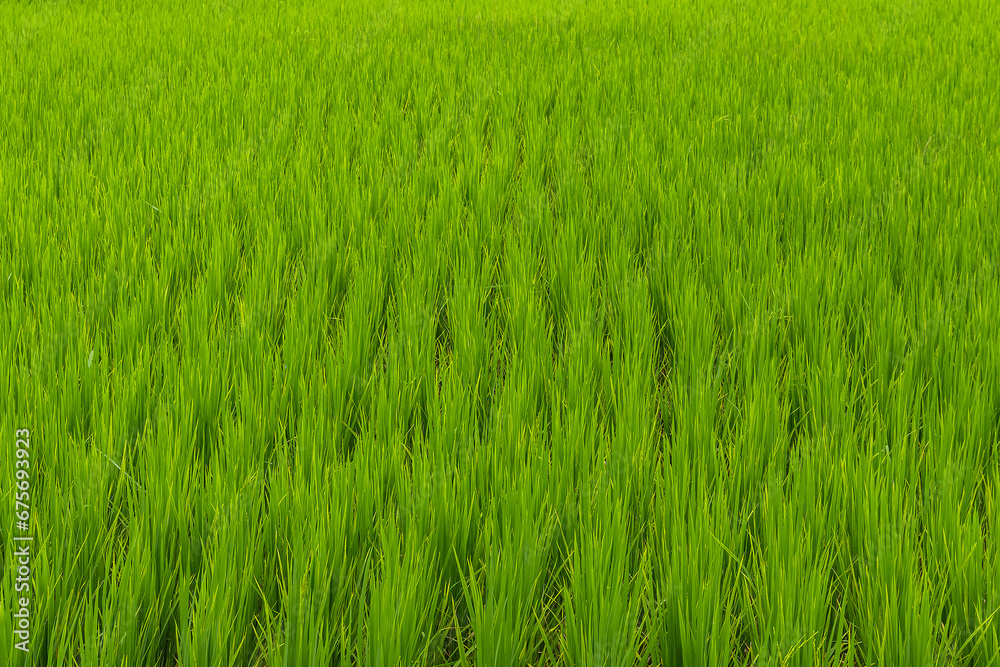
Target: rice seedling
[[553, 333]]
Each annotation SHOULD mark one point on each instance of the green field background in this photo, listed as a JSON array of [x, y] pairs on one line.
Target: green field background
[[557, 333]]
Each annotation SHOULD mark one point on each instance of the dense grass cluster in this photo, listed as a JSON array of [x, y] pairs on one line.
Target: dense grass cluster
[[542, 334]]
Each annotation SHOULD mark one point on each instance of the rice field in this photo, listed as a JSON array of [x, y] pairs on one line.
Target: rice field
[[464, 333]]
